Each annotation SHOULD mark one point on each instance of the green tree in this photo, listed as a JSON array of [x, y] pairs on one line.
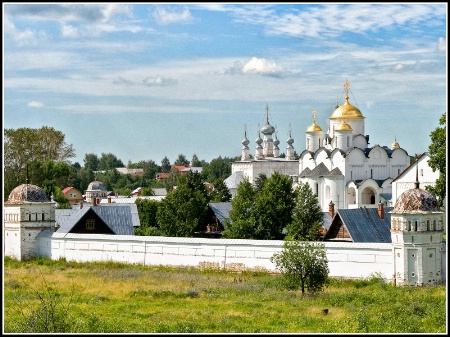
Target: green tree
[[195, 162], [109, 161], [181, 160], [438, 159], [220, 192], [259, 182], [182, 212], [273, 207], [147, 210], [91, 161], [165, 165], [24, 146], [303, 265], [307, 215], [218, 168], [241, 224]]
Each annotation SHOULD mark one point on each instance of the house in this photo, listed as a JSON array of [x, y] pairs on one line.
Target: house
[[358, 224], [132, 171], [215, 218], [406, 179], [72, 194], [117, 219]]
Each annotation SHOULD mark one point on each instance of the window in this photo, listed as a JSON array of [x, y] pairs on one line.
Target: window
[[90, 224]]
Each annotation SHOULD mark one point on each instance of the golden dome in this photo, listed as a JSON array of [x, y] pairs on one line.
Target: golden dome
[[395, 145], [346, 111], [314, 127], [344, 126]]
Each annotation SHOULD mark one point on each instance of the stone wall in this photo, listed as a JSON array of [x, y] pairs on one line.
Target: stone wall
[[346, 259]]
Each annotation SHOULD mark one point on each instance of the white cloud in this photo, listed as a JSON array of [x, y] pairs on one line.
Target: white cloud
[[442, 44], [69, 31], [35, 104], [261, 66], [159, 81], [166, 17]]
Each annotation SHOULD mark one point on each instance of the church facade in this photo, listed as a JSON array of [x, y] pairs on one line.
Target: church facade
[[338, 164]]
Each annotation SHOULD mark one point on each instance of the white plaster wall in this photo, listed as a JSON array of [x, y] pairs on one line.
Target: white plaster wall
[[347, 260]]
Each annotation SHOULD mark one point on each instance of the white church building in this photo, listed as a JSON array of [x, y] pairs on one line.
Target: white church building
[[338, 164]]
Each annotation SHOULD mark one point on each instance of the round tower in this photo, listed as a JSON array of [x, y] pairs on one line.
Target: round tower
[[343, 136], [417, 238], [27, 212]]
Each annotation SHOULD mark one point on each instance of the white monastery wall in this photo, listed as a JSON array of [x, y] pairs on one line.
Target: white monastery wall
[[346, 259]]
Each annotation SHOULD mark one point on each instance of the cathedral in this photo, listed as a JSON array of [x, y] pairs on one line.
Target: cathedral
[[338, 164]]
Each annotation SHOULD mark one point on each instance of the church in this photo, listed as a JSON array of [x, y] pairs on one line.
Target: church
[[338, 164]]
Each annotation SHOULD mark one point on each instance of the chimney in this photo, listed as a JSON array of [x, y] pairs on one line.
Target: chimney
[[81, 204], [109, 200], [380, 210], [331, 209]]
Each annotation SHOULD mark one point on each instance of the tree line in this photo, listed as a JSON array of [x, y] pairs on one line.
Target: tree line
[[43, 157]]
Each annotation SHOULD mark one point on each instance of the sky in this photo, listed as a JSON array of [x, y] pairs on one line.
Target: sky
[[145, 81]]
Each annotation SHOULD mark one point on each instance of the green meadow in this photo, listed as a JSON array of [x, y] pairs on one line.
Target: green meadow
[[41, 295]]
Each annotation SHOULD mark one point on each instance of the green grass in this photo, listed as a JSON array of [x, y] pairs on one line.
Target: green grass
[[42, 295]]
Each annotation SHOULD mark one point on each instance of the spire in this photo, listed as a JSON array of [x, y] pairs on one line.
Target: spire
[[314, 113], [346, 88], [267, 113]]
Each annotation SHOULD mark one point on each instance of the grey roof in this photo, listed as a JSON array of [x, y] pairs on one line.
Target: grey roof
[[305, 172], [335, 172], [61, 215], [386, 196], [120, 218], [319, 170], [221, 210], [364, 224], [234, 180], [326, 220]]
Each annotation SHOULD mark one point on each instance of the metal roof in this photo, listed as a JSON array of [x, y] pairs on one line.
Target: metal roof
[[120, 218], [364, 224], [221, 210]]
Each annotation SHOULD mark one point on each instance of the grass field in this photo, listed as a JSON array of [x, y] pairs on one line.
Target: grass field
[[42, 295]]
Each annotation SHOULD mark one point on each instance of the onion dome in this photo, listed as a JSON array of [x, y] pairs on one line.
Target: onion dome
[[276, 141], [346, 110], [416, 200], [395, 145], [267, 129], [314, 127], [344, 126], [259, 140], [245, 141], [27, 193], [96, 185], [289, 140]]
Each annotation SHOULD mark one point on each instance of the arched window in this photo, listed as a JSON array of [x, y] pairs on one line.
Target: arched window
[[409, 226], [371, 173], [415, 226], [348, 141], [428, 225], [43, 216], [327, 192]]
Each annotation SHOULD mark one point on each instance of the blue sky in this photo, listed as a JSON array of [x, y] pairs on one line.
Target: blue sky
[[146, 80]]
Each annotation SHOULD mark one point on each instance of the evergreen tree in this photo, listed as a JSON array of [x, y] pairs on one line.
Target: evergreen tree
[[240, 224], [307, 215], [182, 212], [273, 207], [220, 192]]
